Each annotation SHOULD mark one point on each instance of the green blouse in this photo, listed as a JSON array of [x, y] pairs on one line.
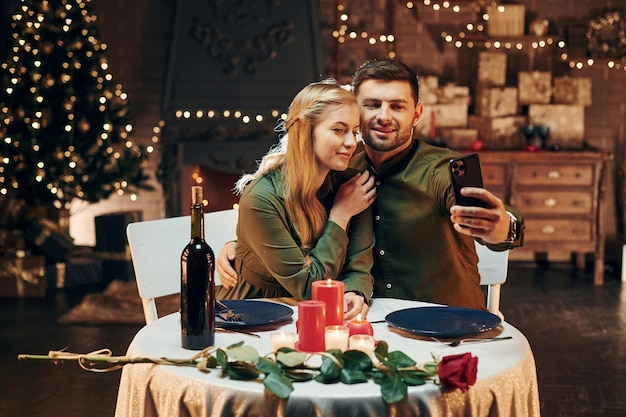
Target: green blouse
[[418, 255], [269, 260]]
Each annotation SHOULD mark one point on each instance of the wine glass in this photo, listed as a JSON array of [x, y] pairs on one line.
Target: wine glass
[[543, 131], [529, 132]]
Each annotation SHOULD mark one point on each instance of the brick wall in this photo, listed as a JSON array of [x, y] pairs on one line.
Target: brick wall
[[418, 44], [137, 34]]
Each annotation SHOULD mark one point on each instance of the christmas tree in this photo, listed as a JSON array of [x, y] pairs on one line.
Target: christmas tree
[[65, 128]]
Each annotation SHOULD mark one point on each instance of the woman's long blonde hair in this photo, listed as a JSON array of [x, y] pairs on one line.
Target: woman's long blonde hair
[[307, 214]]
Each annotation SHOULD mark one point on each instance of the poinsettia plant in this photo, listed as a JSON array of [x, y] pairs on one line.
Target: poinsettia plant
[[394, 371]]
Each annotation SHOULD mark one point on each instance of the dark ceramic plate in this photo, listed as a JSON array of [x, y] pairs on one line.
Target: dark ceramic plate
[[445, 322], [254, 313]]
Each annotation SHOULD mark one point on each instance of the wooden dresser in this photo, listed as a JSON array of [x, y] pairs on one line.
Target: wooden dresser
[[561, 196]]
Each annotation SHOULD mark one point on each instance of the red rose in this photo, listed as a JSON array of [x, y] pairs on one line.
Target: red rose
[[458, 371]]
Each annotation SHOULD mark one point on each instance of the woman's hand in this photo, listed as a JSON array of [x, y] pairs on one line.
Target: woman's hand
[[353, 305], [353, 196], [228, 275]]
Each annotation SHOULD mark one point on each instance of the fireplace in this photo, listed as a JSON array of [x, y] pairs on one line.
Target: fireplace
[[234, 67]]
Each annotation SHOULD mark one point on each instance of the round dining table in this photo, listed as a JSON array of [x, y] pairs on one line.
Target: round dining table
[[506, 382]]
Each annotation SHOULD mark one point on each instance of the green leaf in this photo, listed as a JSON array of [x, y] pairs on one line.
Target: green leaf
[[382, 350], [222, 360], [392, 388], [351, 376], [279, 385], [357, 360], [243, 353], [268, 367], [400, 359], [329, 371], [291, 359], [299, 375], [234, 345], [413, 378], [243, 371]]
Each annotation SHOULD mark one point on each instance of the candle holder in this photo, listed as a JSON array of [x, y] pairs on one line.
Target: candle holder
[[282, 339], [360, 326], [363, 342], [336, 337]]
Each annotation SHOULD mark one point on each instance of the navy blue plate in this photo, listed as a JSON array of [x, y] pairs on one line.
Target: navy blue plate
[[255, 313], [444, 322]]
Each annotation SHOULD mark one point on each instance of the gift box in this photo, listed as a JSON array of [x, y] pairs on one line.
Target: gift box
[[111, 230], [22, 276], [506, 20], [491, 68], [112, 244], [571, 90], [446, 115], [11, 241], [535, 87], [43, 238], [458, 138], [499, 132], [566, 123], [454, 94], [496, 101], [75, 271], [429, 87]]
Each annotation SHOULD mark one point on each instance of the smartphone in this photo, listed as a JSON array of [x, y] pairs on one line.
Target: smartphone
[[465, 172]]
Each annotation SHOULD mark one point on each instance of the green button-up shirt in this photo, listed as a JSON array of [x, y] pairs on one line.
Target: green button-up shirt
[[269, 260], [418, 254]]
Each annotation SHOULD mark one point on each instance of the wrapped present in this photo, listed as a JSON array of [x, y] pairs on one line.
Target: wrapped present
[[572, 90], [22, 276], [496, 101], [535, 87], [43, 238], [112, 244], [454, 94], [492, 68], [429, 87], [506, 20], [11, 241], [458, 138], [111, 230], [499, 132], [75, 271], [566, 123], [446, 115]]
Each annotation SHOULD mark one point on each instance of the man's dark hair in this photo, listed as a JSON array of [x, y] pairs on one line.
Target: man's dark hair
[[387, 70]]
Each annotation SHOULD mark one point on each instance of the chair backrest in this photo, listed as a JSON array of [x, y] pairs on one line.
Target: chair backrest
[[493, 268], [156, 247]]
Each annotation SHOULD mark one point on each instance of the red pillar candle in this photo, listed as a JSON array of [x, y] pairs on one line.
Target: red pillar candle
[[330, 292], [360, 326], [311, 326]]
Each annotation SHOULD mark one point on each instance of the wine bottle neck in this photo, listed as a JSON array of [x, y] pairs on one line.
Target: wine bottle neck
[[197, 221]]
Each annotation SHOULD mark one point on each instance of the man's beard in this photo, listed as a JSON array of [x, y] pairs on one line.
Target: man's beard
[[392, 142]]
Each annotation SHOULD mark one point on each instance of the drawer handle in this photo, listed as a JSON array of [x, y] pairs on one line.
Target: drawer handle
[[550, 202], [548, 230], [554, 175]]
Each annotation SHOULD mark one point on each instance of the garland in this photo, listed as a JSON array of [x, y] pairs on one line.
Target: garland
[[393, 371]]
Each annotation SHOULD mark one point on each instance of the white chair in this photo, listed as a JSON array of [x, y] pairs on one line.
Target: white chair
[[156, 246], [493, 268]]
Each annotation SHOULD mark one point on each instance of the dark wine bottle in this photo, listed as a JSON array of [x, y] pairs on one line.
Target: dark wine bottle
[[197, 292]]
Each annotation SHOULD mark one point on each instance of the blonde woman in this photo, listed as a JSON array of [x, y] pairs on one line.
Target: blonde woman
[[297, 222]]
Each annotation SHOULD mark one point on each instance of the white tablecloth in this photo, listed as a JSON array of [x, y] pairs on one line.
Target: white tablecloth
[[506, 385]]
